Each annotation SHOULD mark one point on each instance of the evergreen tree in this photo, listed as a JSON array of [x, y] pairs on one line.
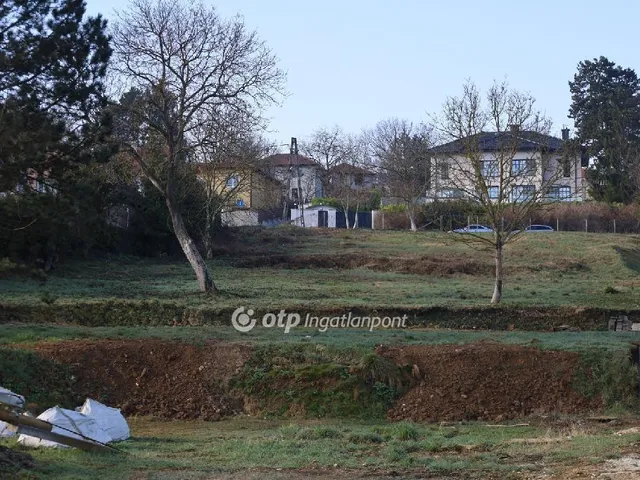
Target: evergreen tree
[[52, 67], [53, 63], [606, 110]]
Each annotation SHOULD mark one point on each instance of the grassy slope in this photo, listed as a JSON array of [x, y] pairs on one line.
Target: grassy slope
[[560, 269], [338, 338]]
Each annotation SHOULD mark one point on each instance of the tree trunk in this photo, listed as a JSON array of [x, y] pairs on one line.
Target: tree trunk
[[189, 248], [355, 218], [412, 219], [497, 289], [208, 231]]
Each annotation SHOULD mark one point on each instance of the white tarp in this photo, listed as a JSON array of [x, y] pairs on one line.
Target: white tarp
[[71, 421], [108, 418], [5, 430], [9, 398]]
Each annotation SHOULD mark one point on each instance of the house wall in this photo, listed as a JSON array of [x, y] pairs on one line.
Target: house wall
[[256, 191], [310, 181], [459, 169], [265, 193], [240, 218]]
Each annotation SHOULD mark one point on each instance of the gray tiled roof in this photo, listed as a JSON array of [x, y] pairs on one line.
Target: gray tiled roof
[[492, 141]]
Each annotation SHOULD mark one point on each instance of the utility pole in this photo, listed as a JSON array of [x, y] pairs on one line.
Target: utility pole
[[294, 154], [285, 201]]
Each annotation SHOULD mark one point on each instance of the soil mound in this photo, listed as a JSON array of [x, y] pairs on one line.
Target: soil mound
[[11, 461], [486, 381], [481, 381], [165, 379]]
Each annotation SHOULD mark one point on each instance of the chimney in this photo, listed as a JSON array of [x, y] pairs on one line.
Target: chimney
[[565, 134], [514, 128]]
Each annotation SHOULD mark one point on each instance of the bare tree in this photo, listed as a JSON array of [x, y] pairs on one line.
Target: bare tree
[[227, 155], [350, 181], [500, 156], [400, 153], [189, 62], [330, 147]]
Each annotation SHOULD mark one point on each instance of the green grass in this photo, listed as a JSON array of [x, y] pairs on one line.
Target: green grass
[[236, 448], [338, 338], [560, 269]]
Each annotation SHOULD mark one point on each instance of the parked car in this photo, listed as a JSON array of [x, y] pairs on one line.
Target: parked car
[[536, 228], [474, 228]]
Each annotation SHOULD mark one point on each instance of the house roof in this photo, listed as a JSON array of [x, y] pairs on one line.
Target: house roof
[[286, 159], [492, 141]]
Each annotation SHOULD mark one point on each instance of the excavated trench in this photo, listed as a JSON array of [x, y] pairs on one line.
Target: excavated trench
[[481, 381]]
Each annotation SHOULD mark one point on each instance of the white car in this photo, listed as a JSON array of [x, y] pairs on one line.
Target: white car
[[536, 228], [474, 228]]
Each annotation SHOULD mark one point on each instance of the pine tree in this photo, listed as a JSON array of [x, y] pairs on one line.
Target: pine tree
[[53, 62], [606, 110]]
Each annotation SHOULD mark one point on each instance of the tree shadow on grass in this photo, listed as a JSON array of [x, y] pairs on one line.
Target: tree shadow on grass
[[630, 258]]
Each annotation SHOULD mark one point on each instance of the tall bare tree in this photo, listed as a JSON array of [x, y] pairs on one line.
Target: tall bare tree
[[400, 153], [189, 63], [330, 147], [227, 154], [499, 154]]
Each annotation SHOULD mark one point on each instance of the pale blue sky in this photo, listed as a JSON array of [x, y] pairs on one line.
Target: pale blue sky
[[355, 62]]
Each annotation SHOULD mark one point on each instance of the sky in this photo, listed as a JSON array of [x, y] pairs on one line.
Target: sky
[[355, 62]]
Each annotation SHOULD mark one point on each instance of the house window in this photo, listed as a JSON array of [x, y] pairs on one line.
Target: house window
[[523, 167], [444, 171], [359, 179], [232, 182], [523, 193], [294, 194], [494, 192], [450, 193], [561, 192], [489, 168], [566, 167]]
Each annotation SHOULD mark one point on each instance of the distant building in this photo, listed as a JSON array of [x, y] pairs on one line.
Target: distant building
[[353, 176], [449, 176], [299, 176]]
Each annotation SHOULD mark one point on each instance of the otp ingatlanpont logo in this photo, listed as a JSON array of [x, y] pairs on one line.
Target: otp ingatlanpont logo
[[242, 321]]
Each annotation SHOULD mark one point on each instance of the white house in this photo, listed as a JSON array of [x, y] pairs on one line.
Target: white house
[[534, 161], [300, 176]]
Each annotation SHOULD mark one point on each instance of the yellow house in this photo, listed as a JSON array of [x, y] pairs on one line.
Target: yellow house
[[241, 188]]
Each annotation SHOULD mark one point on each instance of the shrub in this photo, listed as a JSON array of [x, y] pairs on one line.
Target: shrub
[[405, 431]]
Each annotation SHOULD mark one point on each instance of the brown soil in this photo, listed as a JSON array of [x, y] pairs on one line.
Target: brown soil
[[417, 265], [486, 381], [10, 460], [482, 381], [150, 377]]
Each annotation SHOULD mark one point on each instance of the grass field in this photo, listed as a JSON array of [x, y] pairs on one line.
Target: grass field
[[285, 268], [332, 270], [249, 448], [334, 338]]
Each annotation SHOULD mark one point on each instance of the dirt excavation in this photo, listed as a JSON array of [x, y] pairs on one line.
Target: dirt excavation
[[487, 381], [164, 379], [440, 266], [481, 381]]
